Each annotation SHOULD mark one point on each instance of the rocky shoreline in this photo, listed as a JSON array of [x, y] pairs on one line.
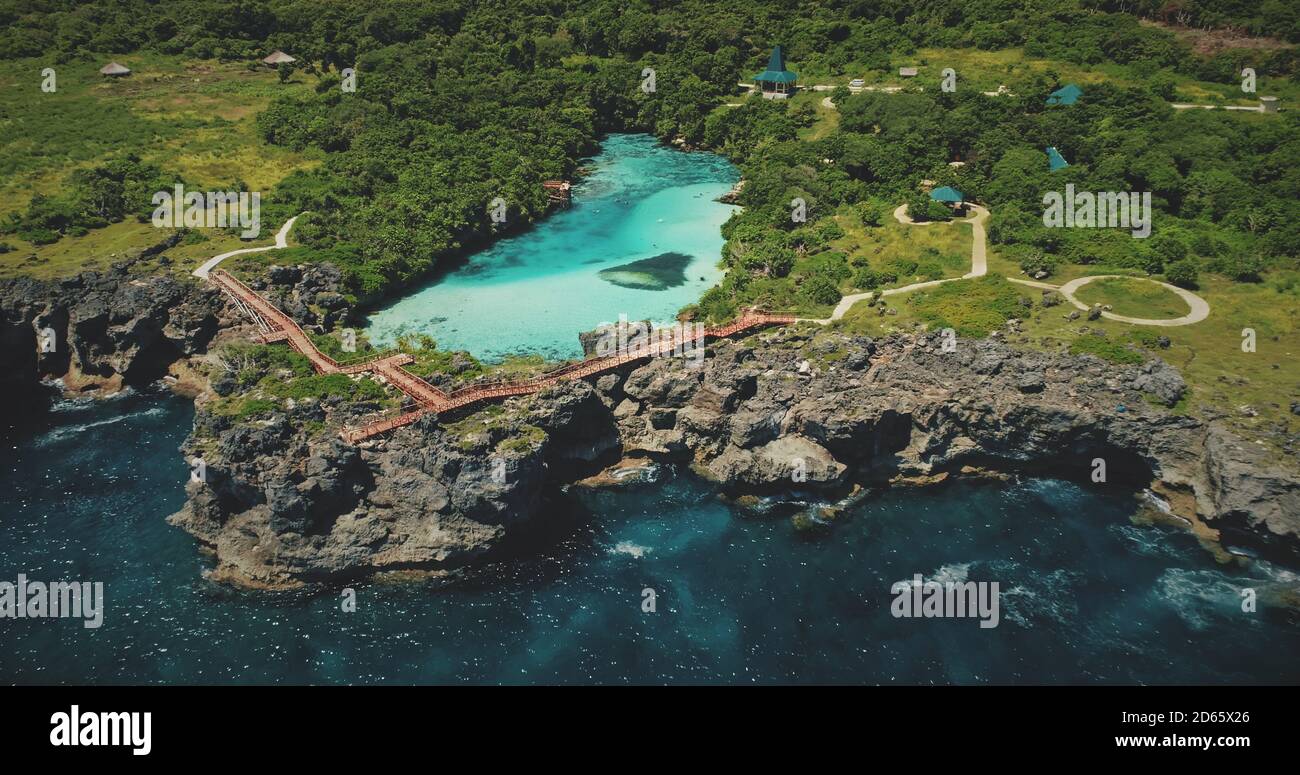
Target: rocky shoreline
[[287, 503]]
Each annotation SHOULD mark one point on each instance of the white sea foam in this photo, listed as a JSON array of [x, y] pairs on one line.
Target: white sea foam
[[85, 402], [1157, 501], [1201, 596], [68, 431], [1037, 596], [955, 573], [1146, 541], [629, 548]]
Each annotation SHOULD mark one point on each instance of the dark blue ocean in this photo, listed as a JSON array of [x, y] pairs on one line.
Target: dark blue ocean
[[1087, 594]]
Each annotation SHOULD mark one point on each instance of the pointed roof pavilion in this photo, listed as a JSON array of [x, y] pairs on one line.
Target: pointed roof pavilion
[[1055, 161], [113, 68], [776, 78], [948, 195], [278, 56], [1066, 95]]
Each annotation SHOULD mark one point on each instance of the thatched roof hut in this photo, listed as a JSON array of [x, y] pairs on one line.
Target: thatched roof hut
[[114, 69], [276, 57]]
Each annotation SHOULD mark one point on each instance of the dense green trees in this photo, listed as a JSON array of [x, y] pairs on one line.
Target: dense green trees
[[461, 102], [93, 197]]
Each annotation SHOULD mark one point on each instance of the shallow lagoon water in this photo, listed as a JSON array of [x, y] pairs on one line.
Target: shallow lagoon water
[[1087, 595], [534, 292]]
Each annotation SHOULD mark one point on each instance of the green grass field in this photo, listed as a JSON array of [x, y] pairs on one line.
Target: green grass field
[[193, 119], [940, 250], [1133, 298]]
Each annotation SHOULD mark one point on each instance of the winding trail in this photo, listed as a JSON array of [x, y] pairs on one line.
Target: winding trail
[[1199, 308], [281, 242]]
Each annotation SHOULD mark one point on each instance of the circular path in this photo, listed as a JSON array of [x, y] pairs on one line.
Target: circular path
[[1200, 308]]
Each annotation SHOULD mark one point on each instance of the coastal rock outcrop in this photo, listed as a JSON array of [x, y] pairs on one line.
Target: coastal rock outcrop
[[785, 410], [100, 329]]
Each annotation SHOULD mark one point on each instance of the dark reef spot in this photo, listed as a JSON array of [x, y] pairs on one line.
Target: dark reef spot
[[657, 273]]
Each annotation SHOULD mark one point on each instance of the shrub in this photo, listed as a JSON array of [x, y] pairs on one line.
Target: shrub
[[871, 213], [819, 289], [1182, 273], [1242, 268], [1170, 248], [902, 267], [870, 279], [938, 211], [918, 207], [1039, 264]]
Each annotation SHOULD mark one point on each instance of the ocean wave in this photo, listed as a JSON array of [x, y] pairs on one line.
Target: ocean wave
[[955, 573], [68, 431], [1029, 596], [1146, 541], [631, 549], [1200, 597], [82, 403]]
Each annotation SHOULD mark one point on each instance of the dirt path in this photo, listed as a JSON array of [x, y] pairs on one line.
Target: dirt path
[[281, 242], [978, 261], [1199, 308]]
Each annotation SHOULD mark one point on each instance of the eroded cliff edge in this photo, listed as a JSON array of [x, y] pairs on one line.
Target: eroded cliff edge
[[286, 502]]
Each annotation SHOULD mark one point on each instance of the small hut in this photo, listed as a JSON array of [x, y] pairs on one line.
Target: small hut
[[776, 82], [114, 70], [1268, 104], [277, 58], [907, 72], [1066, 95], [1055, 161], [557, 191]]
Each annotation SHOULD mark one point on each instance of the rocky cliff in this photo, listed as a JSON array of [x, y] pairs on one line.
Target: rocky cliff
[[99, 331], [286, 503]]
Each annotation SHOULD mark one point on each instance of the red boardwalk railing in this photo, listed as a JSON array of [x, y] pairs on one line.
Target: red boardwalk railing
[[429, 398]]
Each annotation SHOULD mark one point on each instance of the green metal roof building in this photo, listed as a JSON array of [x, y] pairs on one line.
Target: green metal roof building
[[947, 195], [1066, 95], [1055, 161], [776, 81]]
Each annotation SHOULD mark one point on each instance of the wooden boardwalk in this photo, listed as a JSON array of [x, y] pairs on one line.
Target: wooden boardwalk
[[276, 326]]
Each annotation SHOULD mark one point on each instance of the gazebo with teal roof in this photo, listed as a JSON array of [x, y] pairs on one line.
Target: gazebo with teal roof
[[1055, 161], [1066, 95], [776, 82], [948, 195]]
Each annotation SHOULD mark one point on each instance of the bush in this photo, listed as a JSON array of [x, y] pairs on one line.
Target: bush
[[1170, 248], [902, 267], [819, 289], [870, 279], [937, 211], [1039, 264], [871, 213], [918, 207], [1242, 268], [1182, 273]]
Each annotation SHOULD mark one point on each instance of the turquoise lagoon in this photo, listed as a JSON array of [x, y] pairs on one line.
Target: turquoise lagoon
[[534, 292]]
